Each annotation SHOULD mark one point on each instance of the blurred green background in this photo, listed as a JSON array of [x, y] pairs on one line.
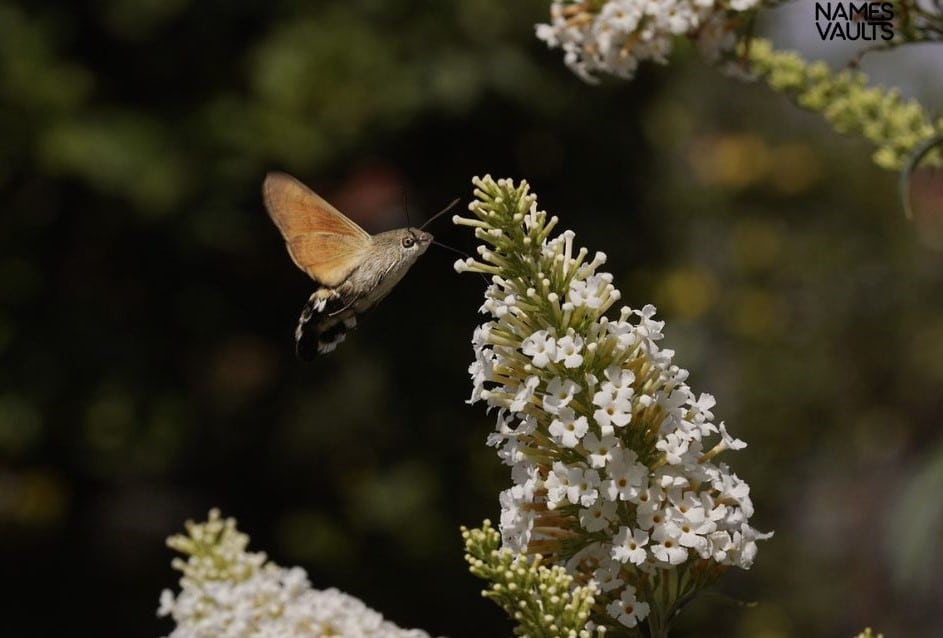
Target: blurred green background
[[147, 307]]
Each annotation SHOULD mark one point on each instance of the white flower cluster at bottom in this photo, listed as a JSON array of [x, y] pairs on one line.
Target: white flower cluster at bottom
[[273, 603], [227, 592]]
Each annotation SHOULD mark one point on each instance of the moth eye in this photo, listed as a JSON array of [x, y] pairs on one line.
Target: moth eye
[[408, 241]]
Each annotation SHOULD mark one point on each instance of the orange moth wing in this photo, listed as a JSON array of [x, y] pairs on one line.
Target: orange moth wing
[[321, 240]]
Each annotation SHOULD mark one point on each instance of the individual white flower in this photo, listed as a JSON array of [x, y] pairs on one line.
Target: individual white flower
[[559, 394], [608, 575], [567, 429], [674, 446], [612, 411], [713, 510], [600, 449], [500, 306], [628, 610], [745, 540], [732, 487], [673, 476], [582, 486], [569, 350], [648, 499], [651, 515], [729, 442], [591, 292], [540, 347], [649, 330], [628, 546], [597, 516], [624, 332], [688, 505], [526, 425], [694, 535], [667, 546], [720, 546], [524, 393], [619, 382], [626, 476], [699, 417], [556, 484]]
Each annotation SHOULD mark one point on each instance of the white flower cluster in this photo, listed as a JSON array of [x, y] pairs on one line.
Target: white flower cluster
[[227, 592], [614, 36], [608, 446]]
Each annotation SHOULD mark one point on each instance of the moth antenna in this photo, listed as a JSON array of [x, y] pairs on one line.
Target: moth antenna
[[456, 250], [440, 213], [406, 208]]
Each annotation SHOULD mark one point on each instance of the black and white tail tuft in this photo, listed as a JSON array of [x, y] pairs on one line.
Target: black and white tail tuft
[[323, 324]]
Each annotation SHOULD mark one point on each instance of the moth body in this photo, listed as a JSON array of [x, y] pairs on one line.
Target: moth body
[[331, 312]]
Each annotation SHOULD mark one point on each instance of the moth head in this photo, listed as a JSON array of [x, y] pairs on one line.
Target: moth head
[[413, 242]]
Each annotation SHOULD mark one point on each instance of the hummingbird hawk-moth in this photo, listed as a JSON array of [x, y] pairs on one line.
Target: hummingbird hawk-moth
[[353, 269]]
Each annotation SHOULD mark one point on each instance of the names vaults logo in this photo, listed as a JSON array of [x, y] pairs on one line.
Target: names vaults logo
[[852, 21]]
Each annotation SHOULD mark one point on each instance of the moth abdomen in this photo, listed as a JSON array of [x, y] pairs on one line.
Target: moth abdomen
[[324, 322]]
